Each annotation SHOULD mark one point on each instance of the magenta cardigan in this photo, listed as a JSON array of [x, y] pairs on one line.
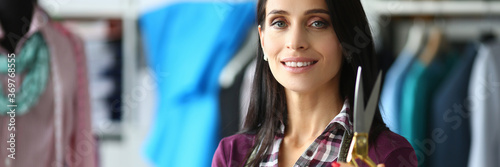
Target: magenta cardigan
[[391, 149]]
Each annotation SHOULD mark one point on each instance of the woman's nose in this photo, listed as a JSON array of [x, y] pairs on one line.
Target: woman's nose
[[297, 39]]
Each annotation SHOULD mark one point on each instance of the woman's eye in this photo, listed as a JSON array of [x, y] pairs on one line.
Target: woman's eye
[[318, 24], [279, 24]]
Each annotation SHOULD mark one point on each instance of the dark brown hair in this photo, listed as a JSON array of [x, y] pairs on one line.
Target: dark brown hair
[[268, 109]]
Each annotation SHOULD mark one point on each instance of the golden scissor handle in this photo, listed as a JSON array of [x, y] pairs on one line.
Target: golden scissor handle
[[360, 150]]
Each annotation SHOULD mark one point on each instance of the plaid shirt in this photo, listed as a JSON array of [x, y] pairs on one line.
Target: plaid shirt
[[325, 148]]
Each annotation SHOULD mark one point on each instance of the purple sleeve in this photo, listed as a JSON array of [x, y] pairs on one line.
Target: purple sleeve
[[393, 150], [401, 157], [219, 159], [232, 150]]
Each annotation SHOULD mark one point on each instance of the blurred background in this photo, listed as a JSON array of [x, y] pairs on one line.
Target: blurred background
[[167, 79]]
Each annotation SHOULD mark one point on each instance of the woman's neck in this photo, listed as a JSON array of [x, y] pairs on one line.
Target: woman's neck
[[309, 113]]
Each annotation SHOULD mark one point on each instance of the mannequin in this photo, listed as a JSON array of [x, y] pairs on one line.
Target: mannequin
[[15, 19]]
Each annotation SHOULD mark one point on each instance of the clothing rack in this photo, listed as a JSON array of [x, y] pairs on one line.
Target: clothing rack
[[83, 9], [405, 8], [459, 19], [127, 11]]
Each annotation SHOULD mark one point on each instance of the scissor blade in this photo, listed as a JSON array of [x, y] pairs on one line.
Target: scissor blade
[[359, 104], [372, 104]]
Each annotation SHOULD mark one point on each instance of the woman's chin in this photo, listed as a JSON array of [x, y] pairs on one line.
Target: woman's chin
[[300, 88]]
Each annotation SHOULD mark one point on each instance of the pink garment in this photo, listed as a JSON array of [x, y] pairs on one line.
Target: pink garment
[[56, 132]]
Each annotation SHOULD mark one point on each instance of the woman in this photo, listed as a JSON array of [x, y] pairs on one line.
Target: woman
[[303, 88]]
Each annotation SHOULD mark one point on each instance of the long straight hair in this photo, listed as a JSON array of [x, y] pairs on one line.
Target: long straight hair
[[268, 108]]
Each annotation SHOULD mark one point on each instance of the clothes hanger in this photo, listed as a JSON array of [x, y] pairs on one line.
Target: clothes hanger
[[415, 36], [487, 35], [435, 39], [244, 55], [431, 49]]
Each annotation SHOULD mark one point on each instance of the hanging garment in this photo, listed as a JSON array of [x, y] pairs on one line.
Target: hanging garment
[[246, 90], [418, 89], [390, 97], [484, 98], [100, 59], [232, 80], [229, 103], [449, 119], [188, 44], [83, 106], [56, 130]]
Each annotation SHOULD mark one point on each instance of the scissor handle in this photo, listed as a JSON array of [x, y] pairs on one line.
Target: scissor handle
[[360, 150]]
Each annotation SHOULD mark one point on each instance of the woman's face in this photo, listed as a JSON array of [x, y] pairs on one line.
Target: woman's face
[[303, 51]]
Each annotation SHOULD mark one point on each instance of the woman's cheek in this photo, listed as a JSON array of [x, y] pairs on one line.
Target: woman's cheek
[[272, 45]]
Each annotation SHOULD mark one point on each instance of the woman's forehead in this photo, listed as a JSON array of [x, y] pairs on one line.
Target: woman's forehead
[[295, 6]]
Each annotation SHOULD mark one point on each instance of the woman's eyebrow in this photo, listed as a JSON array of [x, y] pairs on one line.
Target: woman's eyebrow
[[275, 11], [308, 12], [313, 11]]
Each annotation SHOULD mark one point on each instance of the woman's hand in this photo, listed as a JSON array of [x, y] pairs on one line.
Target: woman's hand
[[341, 164]]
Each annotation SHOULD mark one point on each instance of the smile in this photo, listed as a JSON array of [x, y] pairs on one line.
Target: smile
[[298, 64]]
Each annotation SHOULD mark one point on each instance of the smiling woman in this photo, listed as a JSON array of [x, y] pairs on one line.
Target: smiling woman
[[299, 113]]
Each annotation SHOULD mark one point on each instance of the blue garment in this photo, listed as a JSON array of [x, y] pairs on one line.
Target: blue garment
[[484, 104], [188, 44], [408, 101], [450, 116], [419, 88], [390, 97]]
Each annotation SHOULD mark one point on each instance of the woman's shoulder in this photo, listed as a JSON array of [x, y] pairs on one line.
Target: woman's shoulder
[[239, 137], [390, 140], [232, 150], [393, 150]]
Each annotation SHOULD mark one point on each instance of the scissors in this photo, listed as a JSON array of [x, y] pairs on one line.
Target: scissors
[[363, 118]]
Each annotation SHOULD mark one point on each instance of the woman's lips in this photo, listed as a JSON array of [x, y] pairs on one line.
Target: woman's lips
[[298, 64]]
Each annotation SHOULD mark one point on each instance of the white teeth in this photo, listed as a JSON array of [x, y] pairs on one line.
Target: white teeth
[[298, 64]]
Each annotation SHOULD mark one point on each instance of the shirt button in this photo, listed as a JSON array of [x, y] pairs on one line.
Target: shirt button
[[309, 153]]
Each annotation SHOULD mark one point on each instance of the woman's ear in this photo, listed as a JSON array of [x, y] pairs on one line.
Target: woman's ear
[[261, 36]]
